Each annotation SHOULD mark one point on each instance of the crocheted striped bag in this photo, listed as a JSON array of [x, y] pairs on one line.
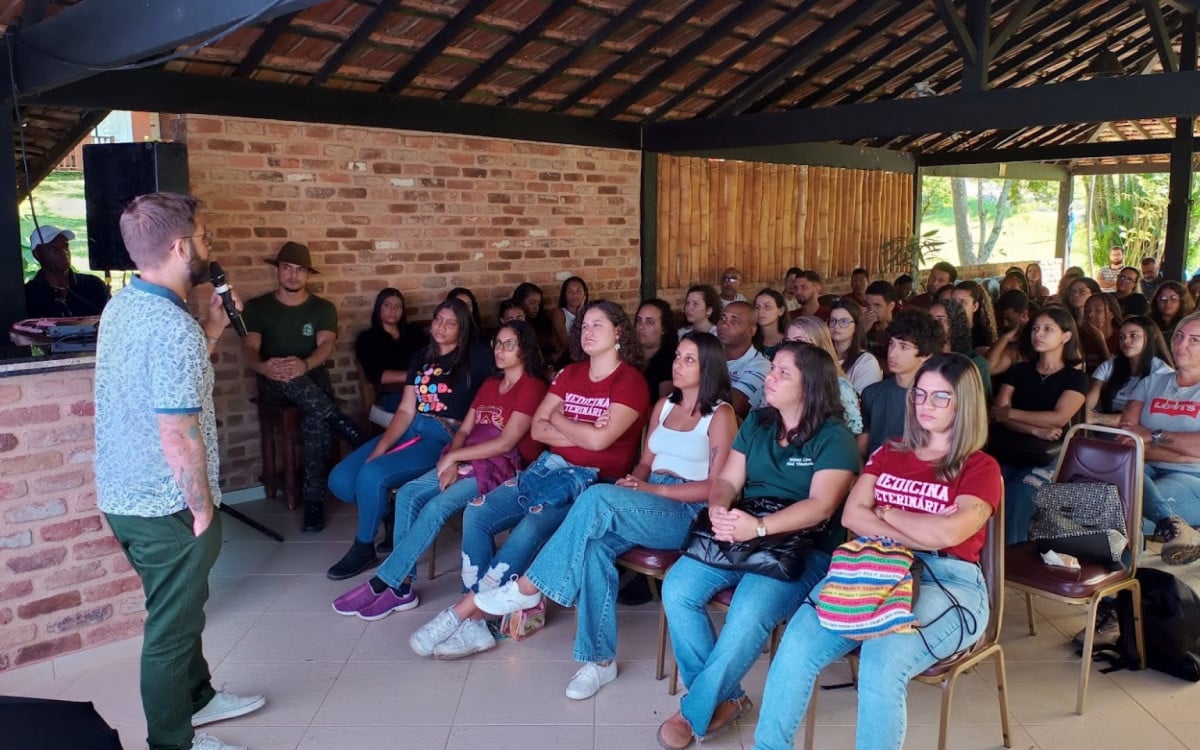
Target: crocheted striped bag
[[869, 590]]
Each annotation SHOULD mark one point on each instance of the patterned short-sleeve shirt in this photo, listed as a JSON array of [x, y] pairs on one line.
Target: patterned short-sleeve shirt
[[151, 359]]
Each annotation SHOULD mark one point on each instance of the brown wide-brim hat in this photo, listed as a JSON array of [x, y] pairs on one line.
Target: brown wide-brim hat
[[294, 253]]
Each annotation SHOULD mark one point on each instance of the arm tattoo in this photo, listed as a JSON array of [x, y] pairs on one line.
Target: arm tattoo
[[183, 448]]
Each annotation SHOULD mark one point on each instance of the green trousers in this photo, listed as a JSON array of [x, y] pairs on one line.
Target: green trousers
[[173, 565]]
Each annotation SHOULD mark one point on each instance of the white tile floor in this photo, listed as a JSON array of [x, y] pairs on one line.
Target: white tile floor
[[337, 682]]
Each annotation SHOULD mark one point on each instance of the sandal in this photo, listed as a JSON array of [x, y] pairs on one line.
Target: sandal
[[725, 715], [675, 733]]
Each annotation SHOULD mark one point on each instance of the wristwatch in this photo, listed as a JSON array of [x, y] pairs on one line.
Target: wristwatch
[[1156, 436], [761, 529]]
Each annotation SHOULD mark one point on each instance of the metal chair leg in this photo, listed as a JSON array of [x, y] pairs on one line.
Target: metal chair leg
[[1085, 661], [947, 699], [1029, 613], [1002, 696]]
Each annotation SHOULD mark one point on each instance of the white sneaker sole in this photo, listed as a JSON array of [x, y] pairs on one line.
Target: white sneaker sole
[[454, 655], [576, 695], [232, 713], [416, 601]]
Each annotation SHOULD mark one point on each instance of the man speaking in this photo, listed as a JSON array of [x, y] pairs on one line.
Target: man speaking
[[156, 460]]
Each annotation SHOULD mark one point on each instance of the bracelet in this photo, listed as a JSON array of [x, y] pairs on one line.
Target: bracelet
[[212, 340]]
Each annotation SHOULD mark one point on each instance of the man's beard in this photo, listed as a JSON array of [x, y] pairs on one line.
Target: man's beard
[[197, 269]]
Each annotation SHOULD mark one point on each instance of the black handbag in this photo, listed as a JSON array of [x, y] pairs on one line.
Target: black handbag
[[1081, 518], [1018, 449], [781, 556]]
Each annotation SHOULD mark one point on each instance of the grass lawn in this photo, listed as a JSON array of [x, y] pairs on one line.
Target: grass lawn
[[1028, 235]]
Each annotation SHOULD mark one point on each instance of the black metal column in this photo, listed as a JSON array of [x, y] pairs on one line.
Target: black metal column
[[649, 225], [1066, 194], [1179, 193], [12, 270]]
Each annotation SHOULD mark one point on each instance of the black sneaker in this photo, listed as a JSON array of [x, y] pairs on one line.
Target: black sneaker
[[385, 546], [635, 593], [360, 557], [1181, 543], [1108, 628], [314, 518]]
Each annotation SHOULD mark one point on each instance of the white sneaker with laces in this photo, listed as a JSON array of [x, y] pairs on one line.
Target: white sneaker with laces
[[429, 635], [208, 742], [472, 637], [227, 706], [589, 679], [506, 599]]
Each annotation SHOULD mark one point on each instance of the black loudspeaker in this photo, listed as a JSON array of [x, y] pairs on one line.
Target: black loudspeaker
[[113, 175]]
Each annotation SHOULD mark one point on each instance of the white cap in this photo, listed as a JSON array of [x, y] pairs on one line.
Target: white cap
[[46, 234]]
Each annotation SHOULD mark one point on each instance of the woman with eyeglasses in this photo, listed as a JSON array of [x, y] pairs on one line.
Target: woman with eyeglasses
[[1140, 352], [1089, 341], [489, 447], [1172, 303], [932, 491], [771, 329], [1037, 401], [701, 309], [849, 340], [809, 329], [653, 506], [591, 424], [441, 385]]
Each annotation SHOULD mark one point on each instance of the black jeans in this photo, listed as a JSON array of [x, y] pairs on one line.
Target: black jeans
[[312, 393]]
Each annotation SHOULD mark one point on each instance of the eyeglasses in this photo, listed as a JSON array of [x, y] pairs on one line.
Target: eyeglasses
[[841, 322], [1080, 291], [1129, 279], [505, 345], [941, 399], [207, 237], [1166, 298], [730, 278]]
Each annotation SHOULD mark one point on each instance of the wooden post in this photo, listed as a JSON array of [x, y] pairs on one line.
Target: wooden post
[[1179, 192]]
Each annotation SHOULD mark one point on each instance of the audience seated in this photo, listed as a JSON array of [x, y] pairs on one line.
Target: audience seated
[[1107, 275], [1163, 410], [509, 311], [658, 339], [730, 278], [848, 332], [385, 349], [904, 290], [291, 334], [467, 297], [813, 331], [572, 297], [860, 278], [877, 315], [441, 386], [1150, 277], [701, 309], [942, 275], [949, 314], [489, 447], [591, 420], [1091, 345], [1037, 290], [529, 296], [1129, 292], [980, 313], [933, 491], [808, 294], [689, 437], [1102, 316], [913, 337], [1013, 310], [57, 290], [771, 319], [1172, 303], [797, 450], [1140, 352], [1035, 404], [789, 288], [747, 366]]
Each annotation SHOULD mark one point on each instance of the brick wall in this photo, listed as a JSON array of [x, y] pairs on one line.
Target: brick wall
[[64, 584], [421, 212]]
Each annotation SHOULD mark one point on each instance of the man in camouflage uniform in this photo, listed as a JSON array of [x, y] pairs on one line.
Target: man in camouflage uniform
[[291, 333]]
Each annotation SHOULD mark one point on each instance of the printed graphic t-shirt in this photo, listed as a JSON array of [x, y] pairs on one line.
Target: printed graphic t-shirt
[[445, 392], [1166, 405], [908, 483], [494, 408], [585, 401]]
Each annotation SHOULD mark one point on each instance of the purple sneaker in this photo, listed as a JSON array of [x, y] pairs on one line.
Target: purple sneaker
[[355, 599], [388, 602]]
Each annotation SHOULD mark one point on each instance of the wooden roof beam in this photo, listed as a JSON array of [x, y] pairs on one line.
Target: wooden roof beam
[[435, 46], [514, 45]]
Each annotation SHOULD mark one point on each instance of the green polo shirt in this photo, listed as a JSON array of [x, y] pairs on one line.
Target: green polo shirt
[[289, 330]]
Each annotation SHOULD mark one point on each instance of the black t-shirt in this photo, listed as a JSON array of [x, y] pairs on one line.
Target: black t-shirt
[[658, 370], [445, 392], [883, 408], [377, 351], [85, 295], [1133, 304], [1032, 392]]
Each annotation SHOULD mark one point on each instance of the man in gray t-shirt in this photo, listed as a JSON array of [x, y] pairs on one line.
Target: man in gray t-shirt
[[157, 462]]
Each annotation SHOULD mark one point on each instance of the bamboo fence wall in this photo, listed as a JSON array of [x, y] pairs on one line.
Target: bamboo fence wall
[[764, 218]]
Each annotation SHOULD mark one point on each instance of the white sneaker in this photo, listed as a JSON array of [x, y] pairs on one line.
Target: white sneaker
[[208, 742], [434, 632], [472, 637], [506, 599], [227, 706], [589, 679]]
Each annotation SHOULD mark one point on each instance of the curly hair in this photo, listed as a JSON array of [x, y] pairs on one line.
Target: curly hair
[[712, 299], [983, 326], [960, 332], [629, 349], [917, 327], [527, 344]]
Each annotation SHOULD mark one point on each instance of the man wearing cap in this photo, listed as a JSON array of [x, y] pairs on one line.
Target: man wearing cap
[[290, 335], [56, 291]]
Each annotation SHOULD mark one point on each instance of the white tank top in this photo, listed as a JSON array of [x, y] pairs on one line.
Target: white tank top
[[684, 454]]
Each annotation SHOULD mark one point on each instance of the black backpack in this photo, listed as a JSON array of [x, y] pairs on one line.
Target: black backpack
[[1170, 625]]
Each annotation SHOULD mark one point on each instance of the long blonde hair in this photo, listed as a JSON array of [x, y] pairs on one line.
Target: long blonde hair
[[816, 332], [969, 431]]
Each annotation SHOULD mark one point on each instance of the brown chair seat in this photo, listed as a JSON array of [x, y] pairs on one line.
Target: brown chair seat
[[651, 559], [1024, 565]]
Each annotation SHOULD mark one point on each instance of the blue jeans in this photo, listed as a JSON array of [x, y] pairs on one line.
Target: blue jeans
[[1166, 492], [886, 665], [1021, 484], [533, 505], [577, 566], [367, 485], [421, 511], [712, 667]]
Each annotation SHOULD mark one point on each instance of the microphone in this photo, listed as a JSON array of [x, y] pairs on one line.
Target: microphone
[[218, 279]]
